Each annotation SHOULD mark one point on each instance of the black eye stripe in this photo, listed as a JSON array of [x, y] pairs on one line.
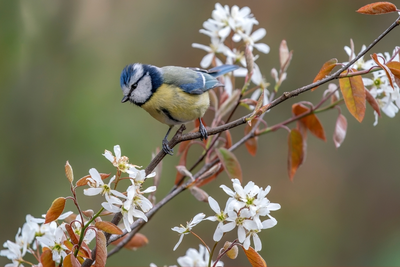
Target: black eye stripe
[[134, 85]]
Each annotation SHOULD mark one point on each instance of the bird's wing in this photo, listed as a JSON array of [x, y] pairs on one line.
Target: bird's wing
[[192, 81]]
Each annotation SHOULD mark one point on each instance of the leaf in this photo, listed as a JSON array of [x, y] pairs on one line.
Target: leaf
[[311, 122], [296, 152], [101, 250], [230, 163], [74, 237], [69, 172], [377, 8], [353, 92], [70, 261], [199, 193], [340, 130], [210, 175], [229, 104], [325, 70], [108, 228], [385, 68], [254, 258], [394, 67], [182, 162], [46, 259], [228, 142], [55, 209], [83, 181], [251, 144], [137, 241], [83, 252], [372, 101]]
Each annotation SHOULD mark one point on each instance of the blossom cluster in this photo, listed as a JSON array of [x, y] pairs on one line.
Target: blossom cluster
[[54, 236], [131, 205], [379, 86], [230, 31], [35, 233], [244, 209]]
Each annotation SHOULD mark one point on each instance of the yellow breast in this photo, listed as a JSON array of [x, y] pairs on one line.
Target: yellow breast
[[171, 105]]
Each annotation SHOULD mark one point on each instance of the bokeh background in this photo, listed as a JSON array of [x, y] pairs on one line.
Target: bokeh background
[[60, 100]]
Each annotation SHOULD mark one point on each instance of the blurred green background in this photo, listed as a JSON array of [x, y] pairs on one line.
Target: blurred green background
[[60, 100]]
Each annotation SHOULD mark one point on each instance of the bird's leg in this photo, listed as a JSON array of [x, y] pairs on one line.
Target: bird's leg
[[165, 146], [202, 131]]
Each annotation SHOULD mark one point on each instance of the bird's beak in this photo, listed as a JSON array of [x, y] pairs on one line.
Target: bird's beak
[[124, 99]]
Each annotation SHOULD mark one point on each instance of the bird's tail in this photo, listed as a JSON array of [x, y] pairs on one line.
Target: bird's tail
[[221, 70]]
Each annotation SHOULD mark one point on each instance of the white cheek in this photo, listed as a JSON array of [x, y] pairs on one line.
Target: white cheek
[[143, 91]]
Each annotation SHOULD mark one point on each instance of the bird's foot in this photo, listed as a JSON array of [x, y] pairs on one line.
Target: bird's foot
[[166, 148], [203, 132]]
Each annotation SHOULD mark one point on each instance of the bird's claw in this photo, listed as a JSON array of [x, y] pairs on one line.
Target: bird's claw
[[203, 132], [166, 148]]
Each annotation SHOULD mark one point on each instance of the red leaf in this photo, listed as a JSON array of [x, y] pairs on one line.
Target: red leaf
[[228, 142], [213, 172], [101, 250], [182, 162], [46, 259], [254, 258], [340, 130], [83, 180], [108, 228], [372, 101], [385, 68], [394, 67], [137, 241], [354, 95], [55, 210], [296, 152], [74, 237], [251, 144], [311, 121], [230, 163], [325, 70], [377, 8]]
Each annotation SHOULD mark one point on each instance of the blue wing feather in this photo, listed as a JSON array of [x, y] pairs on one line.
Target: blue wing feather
[[195, 81]]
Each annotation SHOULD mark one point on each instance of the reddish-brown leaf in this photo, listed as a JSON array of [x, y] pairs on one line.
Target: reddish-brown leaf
[[340, 130], [101, 250], [55, 209], [372, 101], [137, 241], [254, 258], [108, 228], [74, 237], [228, 142], [230, 163], [183, 146], [296, 152], [385, 68], [46, 259], [353, 92], [251, 144], [83, 181], [325, 70], [229, 104], [311, 122], [211, 174], [70, 261], [394, 67], [377, 8], [182, 162]]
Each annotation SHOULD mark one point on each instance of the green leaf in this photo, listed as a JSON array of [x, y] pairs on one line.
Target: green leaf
[[230, 163]]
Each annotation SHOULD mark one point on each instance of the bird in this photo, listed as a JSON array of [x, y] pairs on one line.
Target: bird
[[172, 95]]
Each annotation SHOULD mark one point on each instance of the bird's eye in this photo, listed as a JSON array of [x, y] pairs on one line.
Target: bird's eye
[[133, 86]]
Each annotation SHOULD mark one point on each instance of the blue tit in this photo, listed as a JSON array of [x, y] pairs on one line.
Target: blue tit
[[171, 95]]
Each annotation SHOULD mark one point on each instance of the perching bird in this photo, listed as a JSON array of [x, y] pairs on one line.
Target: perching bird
[[172, 95]]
